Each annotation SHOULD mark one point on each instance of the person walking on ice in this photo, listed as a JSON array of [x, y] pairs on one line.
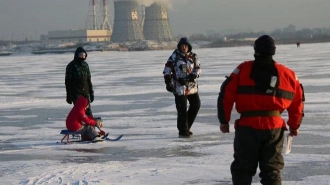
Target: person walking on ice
[[180, 74], [78, 79]]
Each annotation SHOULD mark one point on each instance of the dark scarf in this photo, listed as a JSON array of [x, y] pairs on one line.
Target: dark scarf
[[262, 70]]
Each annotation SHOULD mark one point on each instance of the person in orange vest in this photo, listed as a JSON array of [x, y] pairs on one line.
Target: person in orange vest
[[261, 90]]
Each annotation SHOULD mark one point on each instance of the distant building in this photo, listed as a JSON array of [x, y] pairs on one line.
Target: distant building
[[156, 24], [127, 22], [79, 36], [245, 39], [44, 40], [249, 39]]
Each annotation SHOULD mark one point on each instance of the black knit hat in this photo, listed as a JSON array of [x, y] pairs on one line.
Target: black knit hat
[[265, 45], [184, 40]]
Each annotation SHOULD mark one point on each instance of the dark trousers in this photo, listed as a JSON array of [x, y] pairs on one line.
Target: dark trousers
[[253, 146], [186, 118]]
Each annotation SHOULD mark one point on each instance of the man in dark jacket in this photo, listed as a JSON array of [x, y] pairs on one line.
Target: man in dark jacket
[[78, 79]]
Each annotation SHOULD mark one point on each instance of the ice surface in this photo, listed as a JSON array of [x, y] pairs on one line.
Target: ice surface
[[131, 98]]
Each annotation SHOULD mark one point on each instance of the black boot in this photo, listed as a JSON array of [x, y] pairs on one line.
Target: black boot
[[184, 135]]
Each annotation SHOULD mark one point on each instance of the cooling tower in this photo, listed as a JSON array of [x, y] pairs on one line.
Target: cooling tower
[[126, 27], [156, 25]]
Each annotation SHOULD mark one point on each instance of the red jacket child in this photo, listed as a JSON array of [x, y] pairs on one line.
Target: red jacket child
[[77, 116]]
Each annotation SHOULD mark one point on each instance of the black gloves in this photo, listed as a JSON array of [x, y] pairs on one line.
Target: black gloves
[[91, 95], [68, 99], [168, 79], [168, 82], [191, 77], [169, 87], [182, 81]]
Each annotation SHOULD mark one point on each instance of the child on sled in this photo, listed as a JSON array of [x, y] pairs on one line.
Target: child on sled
[[78, 121]]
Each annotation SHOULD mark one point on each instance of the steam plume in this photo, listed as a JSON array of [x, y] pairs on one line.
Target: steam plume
[[167, 3]]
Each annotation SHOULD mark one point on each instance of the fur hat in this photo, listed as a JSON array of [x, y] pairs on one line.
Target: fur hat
[[265, 45]]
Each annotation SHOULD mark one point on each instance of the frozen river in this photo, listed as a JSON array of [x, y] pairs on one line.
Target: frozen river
[[131, 98]]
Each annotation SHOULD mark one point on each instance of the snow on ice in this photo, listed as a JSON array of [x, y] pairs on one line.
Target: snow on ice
[[130, 97]]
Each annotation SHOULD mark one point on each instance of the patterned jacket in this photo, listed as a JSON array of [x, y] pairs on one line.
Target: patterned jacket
[[180, 65], [78, 77]]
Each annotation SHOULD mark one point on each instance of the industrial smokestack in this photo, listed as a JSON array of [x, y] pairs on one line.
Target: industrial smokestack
[[156, 23], [143, 15], [94, 15], [106, 24], [126, 27]]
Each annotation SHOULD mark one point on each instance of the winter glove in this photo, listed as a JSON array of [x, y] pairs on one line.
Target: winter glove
[[191, 77], [68, 99], [101, 133], [169, 87], [168, 82], [182, 81], [224, 128], [91, 95], [168, 79]]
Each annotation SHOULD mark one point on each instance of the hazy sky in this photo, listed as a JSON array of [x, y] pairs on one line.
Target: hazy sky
[[30, 18]]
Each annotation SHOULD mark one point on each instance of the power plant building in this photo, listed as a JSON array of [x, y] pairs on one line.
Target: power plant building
[[156, 25], [80, 35], [94, 34], [127, 23]]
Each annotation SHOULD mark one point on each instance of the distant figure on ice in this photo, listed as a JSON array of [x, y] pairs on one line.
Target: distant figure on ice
[[298, 44], [180, 73], [78, 79], [261, 90], [78, 121]]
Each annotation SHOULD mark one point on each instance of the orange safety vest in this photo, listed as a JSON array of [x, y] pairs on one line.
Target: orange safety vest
[[261, 110]]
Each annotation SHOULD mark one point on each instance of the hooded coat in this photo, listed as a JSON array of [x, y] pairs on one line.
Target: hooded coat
[[77, 115], [181, 65], [78, 77]]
